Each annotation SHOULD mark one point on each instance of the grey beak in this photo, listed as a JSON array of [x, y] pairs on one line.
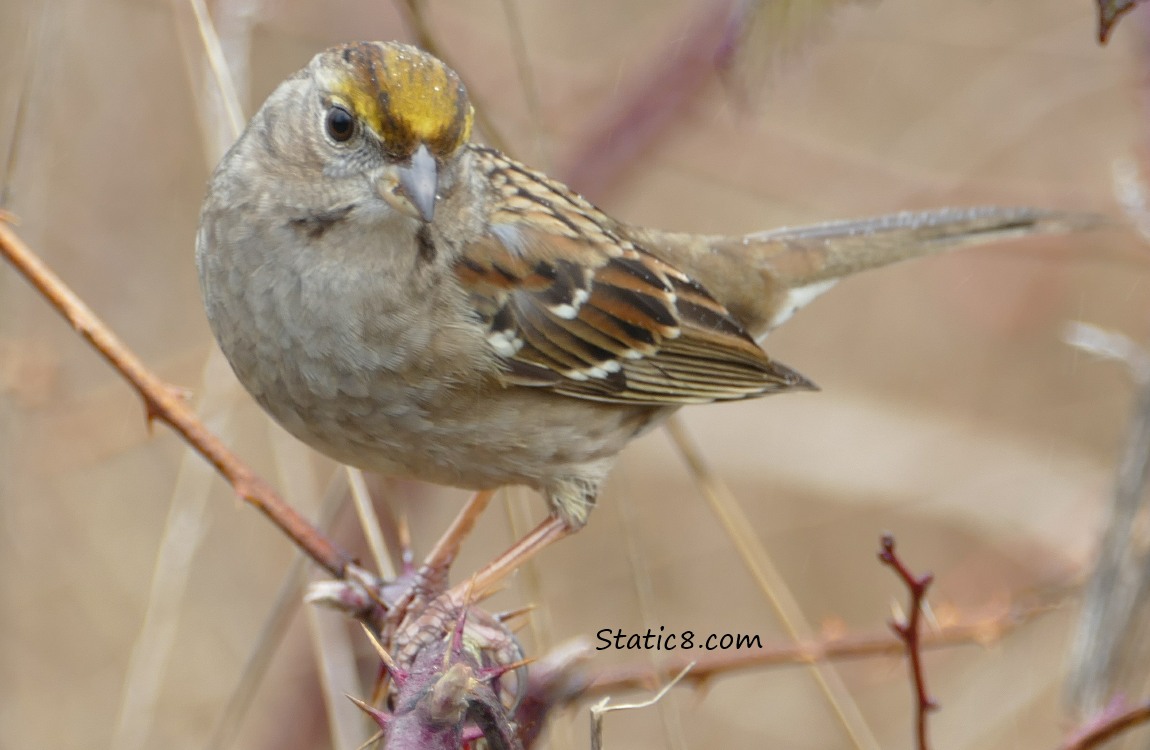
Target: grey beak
[[419, 182]]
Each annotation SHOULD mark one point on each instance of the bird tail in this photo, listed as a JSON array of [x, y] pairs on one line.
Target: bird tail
[[802, 256], [801, 263]]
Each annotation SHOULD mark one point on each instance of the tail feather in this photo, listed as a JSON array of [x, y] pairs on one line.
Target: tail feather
[[803, 256], [764, 278]]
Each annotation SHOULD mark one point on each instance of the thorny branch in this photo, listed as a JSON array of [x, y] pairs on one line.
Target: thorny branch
[[908, 632]]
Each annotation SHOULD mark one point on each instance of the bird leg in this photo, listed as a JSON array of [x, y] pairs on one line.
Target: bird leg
[[542, 536]]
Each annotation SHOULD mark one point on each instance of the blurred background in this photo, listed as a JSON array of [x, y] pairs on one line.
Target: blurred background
[[133, 586]]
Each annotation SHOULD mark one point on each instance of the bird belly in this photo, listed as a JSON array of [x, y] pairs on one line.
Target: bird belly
[[433, 416], [476, 439]]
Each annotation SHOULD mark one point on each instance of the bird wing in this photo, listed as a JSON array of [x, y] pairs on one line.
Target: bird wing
[[573, 305]]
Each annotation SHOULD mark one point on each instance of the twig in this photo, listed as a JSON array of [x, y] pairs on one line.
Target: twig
[[1109, 11], [162, 403], [369, 522], [601, 707], [908, 633], [1107, 724], [1111, 345]]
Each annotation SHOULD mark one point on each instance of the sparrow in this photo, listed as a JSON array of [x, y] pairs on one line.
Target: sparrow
[[407, 301]]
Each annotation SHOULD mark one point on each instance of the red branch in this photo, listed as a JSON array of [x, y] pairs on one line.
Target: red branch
[[1109, 11], [908, 632], [1109, 722]]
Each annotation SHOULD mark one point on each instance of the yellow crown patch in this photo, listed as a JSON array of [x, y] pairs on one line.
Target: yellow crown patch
[[402, 93]]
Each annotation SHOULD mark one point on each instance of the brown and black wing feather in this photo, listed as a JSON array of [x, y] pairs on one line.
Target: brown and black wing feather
[[575, 306]]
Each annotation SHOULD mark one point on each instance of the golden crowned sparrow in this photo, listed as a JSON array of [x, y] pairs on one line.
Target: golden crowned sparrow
[[409, 302]]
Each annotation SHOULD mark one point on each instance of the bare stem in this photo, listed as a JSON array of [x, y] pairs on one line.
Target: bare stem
[[1108, 724], [908, 633]]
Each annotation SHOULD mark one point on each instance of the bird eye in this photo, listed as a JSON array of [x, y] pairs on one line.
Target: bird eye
[[340, 124]]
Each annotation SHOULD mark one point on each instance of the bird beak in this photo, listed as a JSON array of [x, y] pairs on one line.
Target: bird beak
[[418, 182]]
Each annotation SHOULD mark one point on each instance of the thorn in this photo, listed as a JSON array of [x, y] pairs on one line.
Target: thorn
[[461, 623], [153, 411], [382, 718], [456, 638], [397, 674], [511, 614], [151, 414], [349, 596], [886, 554], [494, 673]]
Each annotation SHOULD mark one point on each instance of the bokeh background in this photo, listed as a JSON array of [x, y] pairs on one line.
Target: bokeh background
[[133, 586]]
